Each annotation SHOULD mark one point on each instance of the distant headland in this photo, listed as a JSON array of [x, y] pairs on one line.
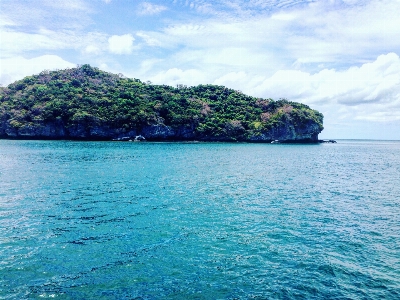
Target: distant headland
[[85, 103]]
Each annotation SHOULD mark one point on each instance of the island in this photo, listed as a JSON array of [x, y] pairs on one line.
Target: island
[[86, 103]]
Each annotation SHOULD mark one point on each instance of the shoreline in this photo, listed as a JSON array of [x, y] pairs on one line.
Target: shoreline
[[143, 140]]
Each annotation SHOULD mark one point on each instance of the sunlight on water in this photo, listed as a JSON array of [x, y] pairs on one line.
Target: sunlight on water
[[107, 220]]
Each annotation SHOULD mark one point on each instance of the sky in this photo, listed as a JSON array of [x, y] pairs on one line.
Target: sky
[[340, 57]]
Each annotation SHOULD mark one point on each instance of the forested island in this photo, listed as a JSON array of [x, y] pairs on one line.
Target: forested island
[[85, 103]]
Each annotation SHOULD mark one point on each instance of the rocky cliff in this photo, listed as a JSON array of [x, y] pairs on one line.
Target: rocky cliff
[[89, 104]]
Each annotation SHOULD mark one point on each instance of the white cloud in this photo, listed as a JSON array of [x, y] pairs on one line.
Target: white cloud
[[67, 5], [91, 49], [176, 76], [6, 21], [231, 78], [57, 15], [150, 41], [148, 64], [306, 35], [121, 44], [104, 66], [14, 43], [15, 68], [147, 8], [377, 81], [327, 32], [240, 81]]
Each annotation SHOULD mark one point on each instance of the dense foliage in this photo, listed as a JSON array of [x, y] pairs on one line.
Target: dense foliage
[[87, 95]]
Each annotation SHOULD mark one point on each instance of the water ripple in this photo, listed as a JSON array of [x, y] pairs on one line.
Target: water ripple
[[199, 221]]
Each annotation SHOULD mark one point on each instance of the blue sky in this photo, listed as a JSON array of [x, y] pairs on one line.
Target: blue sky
[[341, 57]]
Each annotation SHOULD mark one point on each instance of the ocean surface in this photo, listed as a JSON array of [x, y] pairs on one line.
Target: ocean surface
[[121, 220]]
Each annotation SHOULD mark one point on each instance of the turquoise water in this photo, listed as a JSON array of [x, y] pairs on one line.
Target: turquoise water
[[114, 220]]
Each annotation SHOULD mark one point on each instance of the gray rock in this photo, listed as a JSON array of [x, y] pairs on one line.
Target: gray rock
[[159, 131]]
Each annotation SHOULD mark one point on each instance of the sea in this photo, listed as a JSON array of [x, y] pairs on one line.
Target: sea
[[172, 220]]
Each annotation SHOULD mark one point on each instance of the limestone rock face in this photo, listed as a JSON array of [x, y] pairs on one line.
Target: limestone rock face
[[52, 130], [158, 131], [286, 132], [289, 133]]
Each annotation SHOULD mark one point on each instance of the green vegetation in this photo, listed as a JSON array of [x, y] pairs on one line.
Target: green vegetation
[[88, 97]]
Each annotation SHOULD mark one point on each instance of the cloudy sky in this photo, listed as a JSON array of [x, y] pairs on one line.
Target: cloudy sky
[[341, 57]]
